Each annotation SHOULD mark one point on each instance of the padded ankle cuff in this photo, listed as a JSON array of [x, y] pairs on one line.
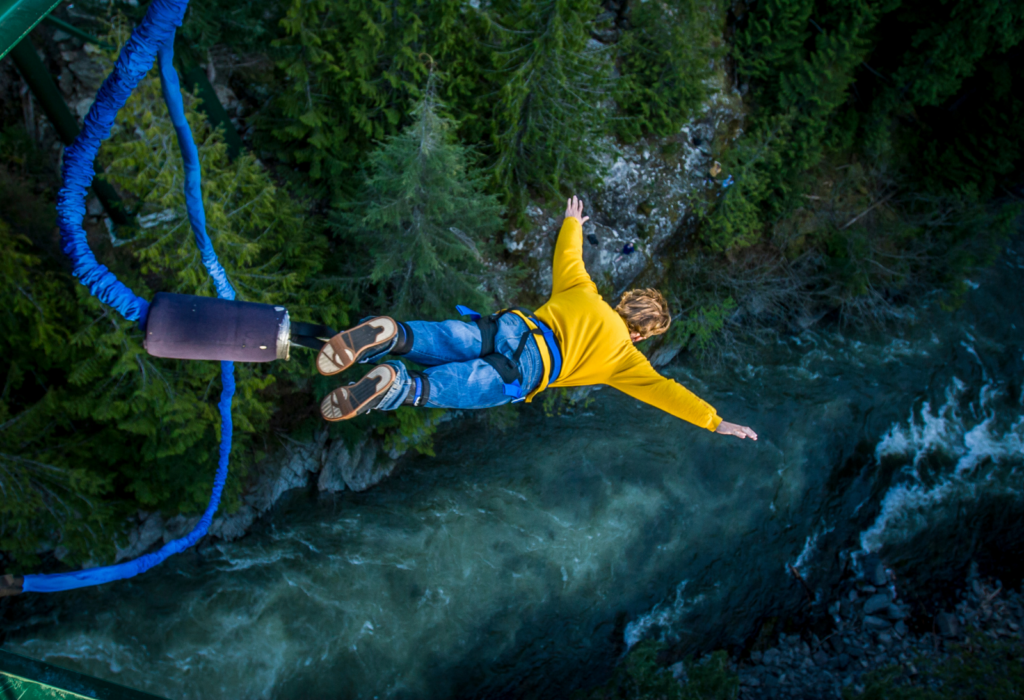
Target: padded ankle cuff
[[404, 342], [419, 392]]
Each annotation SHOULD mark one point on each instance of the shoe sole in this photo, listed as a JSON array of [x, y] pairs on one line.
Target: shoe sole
[[350, 401], [345, 349]]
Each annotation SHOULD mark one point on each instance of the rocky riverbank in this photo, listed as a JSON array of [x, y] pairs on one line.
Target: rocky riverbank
[[874, 628]]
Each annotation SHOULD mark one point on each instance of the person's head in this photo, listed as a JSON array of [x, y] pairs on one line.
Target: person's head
[[645, 312]]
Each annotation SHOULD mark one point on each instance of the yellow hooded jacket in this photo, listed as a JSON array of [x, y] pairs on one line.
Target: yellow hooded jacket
[[594, 340]]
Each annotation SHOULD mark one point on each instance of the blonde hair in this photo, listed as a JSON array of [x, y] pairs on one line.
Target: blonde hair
[[645, 312]]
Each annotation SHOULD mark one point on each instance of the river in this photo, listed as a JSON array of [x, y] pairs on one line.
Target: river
[[524, 563]]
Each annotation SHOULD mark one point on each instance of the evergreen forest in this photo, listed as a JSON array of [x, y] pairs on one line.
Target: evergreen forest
[[873, 155]]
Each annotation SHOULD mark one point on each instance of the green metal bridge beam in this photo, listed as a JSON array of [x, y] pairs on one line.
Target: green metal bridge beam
[[28, 679], [18, 18]]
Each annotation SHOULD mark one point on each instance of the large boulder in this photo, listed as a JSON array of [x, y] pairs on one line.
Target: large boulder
[[357, 468], [642, 202], [289, 469], [149, 530]]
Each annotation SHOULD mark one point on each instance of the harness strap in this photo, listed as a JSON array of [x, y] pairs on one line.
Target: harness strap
[[488, 326], [508, 369], [505, 367], [310, 335]]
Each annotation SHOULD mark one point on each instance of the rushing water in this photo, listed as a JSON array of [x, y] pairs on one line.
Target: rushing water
[[523, 564]]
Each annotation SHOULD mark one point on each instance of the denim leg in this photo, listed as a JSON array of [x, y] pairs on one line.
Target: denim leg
[[397, 392], [473, 383], [438, 343]]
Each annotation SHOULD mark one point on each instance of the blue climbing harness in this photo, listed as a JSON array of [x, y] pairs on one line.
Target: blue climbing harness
[[507, 368], [153, 38]]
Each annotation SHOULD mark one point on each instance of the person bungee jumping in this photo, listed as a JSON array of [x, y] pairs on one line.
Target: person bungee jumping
[[575, 339]]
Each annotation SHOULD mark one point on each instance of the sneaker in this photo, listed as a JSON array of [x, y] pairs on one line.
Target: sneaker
[[348, 347], [355, 399]]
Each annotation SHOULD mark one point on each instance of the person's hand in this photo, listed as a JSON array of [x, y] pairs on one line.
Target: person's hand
[[740, 431], [574, 207]]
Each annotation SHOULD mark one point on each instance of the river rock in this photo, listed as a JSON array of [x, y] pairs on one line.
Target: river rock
[[820, 658], [83, 106], [900, 628], [772, 656], [947, 625], [179, 526], [884, 638], [877, 603], [872, 622], [233, 526], [286, 470], [369, 470], [148, 532], [226, 96], [336, 460], [874, 571], [358, 468], [665, 352], [896, 612], [88, 71]]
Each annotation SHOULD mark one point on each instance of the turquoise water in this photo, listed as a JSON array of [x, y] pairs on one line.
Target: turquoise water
[[523, 564]]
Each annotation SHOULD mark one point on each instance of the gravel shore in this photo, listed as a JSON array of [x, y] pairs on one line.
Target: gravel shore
[[874, 628]]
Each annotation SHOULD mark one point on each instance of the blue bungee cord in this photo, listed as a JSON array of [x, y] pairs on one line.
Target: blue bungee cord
[[153, 38]]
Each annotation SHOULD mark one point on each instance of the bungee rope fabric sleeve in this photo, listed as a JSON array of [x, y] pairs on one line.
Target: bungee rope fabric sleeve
[[154, 36], [193, 181]]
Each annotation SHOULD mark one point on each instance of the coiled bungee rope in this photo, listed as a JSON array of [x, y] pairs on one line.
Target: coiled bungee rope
[[152, 39]]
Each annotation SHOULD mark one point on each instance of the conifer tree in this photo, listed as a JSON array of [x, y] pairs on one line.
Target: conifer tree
[[773, 39], [421, 228], [352, 70], [801, 69], [950, 40], [664, 60], [46, 492], [551, 81]]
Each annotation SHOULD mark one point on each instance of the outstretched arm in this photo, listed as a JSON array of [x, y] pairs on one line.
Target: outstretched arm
[[567, 269], [641, 381]]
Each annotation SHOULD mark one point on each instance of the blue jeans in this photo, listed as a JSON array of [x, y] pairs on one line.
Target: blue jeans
[[458, 377]]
